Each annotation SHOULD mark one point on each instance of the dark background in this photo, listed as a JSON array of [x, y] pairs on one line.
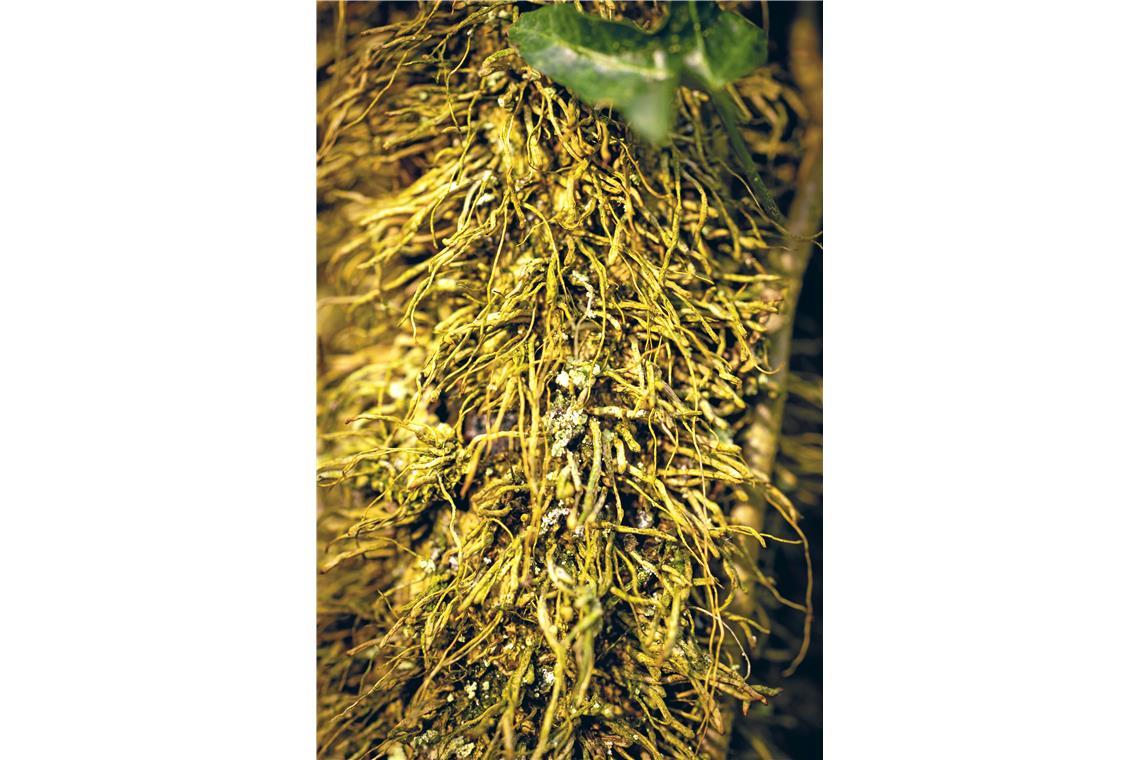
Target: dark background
[[793, 728]]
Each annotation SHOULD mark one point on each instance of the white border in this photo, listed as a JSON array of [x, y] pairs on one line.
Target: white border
[[980, 278]]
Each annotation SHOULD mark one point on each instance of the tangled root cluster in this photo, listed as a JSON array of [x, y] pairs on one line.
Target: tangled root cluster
[[540, 341]]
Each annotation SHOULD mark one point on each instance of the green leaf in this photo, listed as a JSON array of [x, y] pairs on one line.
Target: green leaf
[[637, 72], [717, 48]]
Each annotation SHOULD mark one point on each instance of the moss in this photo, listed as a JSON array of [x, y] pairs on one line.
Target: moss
[[540, 341]]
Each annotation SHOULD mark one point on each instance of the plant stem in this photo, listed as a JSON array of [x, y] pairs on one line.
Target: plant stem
[[761, 439], [791, 261], [727, 111]]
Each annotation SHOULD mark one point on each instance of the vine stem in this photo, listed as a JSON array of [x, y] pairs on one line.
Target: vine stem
[[761, 440], [726, 109], [806, 212]]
